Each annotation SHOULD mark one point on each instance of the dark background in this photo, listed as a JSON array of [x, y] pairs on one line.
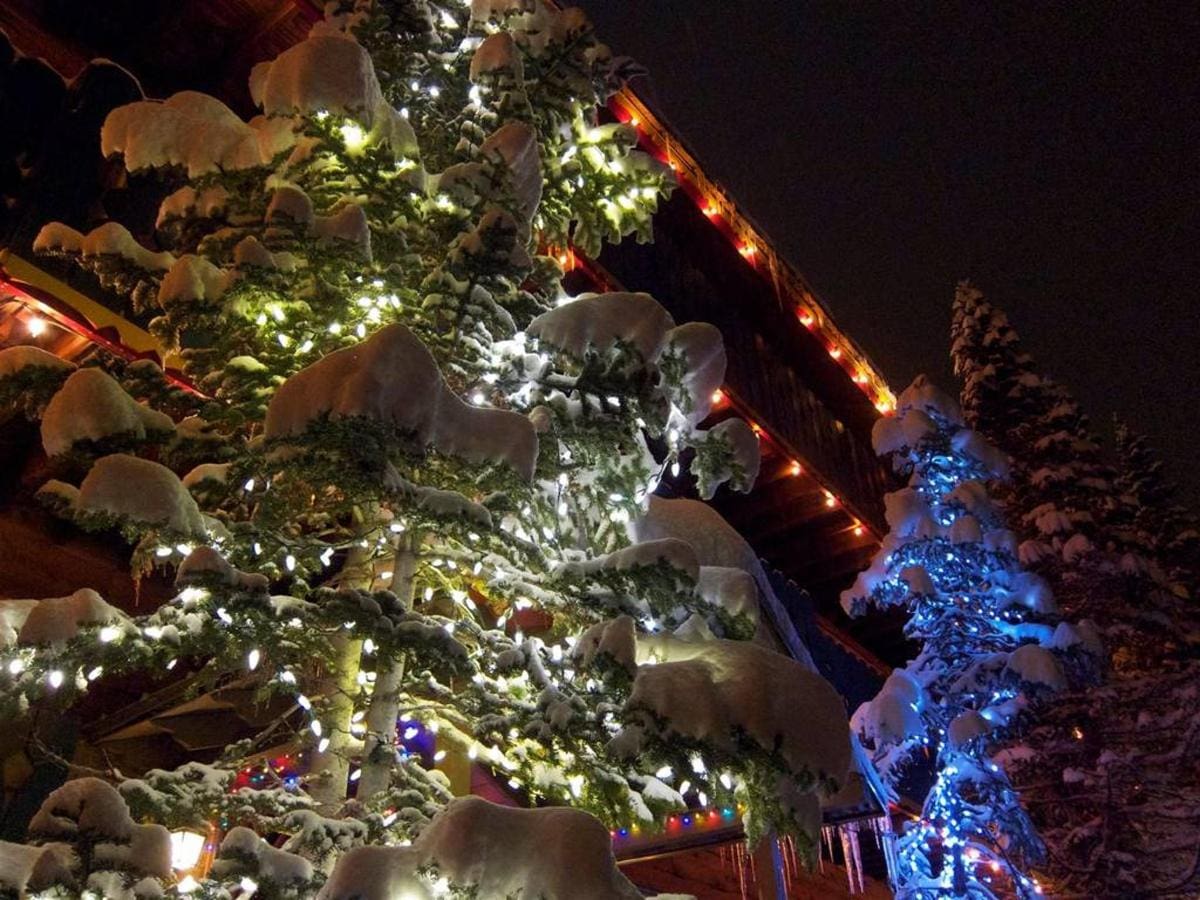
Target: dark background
[[1047, 151]]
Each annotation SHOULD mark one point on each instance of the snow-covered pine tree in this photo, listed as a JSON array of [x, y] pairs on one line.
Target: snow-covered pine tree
[[1158, 524], [1061, 485], [1062, 497], [1109, 772], [406, 450], [991, 647]]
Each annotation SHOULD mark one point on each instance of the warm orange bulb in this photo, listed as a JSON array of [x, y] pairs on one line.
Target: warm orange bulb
[[36, 325], [835, 352], [756, 428], [718, 397], [748, 250], [795, 468], [709, 210], [806, 318], [830, 500], [860, 377], [635, 121], [858, 530]]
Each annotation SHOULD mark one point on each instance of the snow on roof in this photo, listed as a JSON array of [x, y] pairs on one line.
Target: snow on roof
[[392, 378], [91, 405]]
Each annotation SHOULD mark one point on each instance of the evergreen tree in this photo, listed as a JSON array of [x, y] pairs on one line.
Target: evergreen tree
[[1157, 523], [405, 449], [990, 648], [1108, 772]]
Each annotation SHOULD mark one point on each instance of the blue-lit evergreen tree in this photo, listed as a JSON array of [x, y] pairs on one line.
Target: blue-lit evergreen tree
[[991, 647]]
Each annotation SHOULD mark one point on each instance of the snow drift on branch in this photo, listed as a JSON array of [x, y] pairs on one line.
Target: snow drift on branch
[[553, 853], [192, 130], [392, 378], [92, 406]]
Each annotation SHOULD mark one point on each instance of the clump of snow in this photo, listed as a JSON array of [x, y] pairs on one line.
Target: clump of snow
[[27, 870], [923, 395], [497, 53], [713, 691], [192, 130], [908, 515], [109, 239], [192, 278], [893, 716], [330, 72], [15, 359], [207, 202], [1083, 633], [242, 849], [516, 144], [967, 726], [393, 379], [53, 620], [598, 321], [58, 237], [733, 590], [291, 202], [701, 345], [216, 472], [92, 810], [1075, 548], [204, 562], [972, 444], [140, 490], [747, 455], [348, 224], [251, 252], [1029, 590], [1049, 519], [675, 553], [91, 405], [553, 853], [1036, 665], [901, 432]]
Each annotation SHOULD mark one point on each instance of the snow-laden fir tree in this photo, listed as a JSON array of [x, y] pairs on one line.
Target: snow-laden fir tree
[[1109, 773], [1157, 523], [1062, 497], [404, 447], [991, 647]]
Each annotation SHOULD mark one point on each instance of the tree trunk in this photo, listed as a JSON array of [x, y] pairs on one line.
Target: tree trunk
[[379, 743]]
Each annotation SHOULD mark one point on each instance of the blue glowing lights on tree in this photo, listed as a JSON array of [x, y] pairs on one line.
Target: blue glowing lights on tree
[[991, 649]]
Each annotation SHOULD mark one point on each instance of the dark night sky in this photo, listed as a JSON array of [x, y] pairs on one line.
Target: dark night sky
[[1047, 151]]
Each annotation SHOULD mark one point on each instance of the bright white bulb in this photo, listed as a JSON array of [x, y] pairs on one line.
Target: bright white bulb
[[323, 745], [55, 678], [316, 727], [252, 659], [109, 633], [352, 135], [16, 667], [36, 325]]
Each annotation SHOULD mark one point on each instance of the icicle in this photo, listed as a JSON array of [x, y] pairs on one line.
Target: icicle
[[846, 859], [852, 831]]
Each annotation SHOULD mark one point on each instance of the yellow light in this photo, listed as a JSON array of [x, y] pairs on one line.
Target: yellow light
[[709, 210], [806, 318], [186, 847], [718, 397], [36, 325], [747, 250], [830, 500], [858, 529], [635, 121], [795, 468], [352, 135], [835, 352]]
